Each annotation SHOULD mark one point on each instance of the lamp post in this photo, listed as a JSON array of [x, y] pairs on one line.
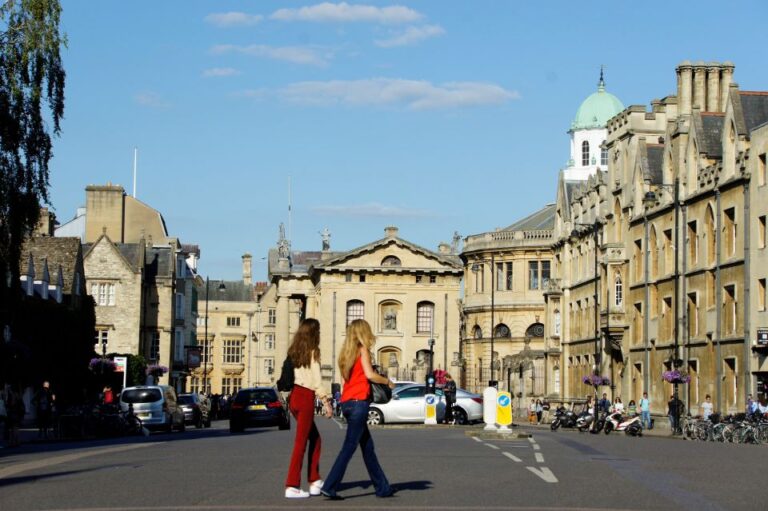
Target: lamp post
[[595, 227], [649, 201], [475, 268], [221, 288]]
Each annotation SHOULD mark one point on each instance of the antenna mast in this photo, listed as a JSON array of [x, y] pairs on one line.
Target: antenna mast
[[289, 208]]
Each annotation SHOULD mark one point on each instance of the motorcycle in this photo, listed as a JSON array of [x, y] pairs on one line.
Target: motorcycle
[[563, 417], [630, 425], [584, 421]]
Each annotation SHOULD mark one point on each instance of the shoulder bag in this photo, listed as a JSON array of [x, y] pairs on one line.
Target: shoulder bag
[[380, 393]]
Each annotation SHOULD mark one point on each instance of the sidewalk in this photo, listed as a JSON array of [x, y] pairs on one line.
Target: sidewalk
[[661, 428]]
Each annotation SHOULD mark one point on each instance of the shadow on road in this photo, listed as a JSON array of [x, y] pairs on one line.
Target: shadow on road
[[398, 487], [10, 481]]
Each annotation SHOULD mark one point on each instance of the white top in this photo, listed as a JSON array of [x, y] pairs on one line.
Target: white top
[[310, 378], [706, 409], [619, 407]]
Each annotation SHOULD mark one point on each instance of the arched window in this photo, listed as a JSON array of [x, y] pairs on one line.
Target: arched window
[[425, 313], [556, 329], [604, 157], [584, 153], [477, 332], [618, 291], [391, 260], [709, 223], [355, 310], [654, 253], [502, 331], [535, 330]]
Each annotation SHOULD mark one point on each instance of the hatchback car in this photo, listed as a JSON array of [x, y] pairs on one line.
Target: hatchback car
[[259, 406], [197, 410], [155, 405], [407, 405]]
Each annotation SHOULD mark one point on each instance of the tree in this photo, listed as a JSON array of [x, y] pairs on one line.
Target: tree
[[31, 108]]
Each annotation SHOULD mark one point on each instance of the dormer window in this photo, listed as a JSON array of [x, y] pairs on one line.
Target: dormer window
[[391, 261]]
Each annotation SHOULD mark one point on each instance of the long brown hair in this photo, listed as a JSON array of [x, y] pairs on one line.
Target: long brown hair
[[358, 334], [306, 344]]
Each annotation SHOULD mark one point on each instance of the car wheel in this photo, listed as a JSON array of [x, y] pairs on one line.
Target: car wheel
[[460, 416], [375, 417], [608, 427]]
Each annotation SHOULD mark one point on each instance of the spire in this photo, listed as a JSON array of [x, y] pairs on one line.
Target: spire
[[601, 83]]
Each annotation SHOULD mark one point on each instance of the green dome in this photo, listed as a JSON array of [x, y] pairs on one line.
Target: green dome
[[595, 111]]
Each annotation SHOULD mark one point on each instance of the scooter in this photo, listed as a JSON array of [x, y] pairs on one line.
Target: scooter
[[584, 421], [563, 417], [630, 425]]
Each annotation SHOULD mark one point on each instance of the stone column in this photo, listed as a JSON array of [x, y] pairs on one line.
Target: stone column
[[700, 85]]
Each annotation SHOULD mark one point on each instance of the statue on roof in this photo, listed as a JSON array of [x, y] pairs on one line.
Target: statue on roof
[[325, 235], [283, 245]]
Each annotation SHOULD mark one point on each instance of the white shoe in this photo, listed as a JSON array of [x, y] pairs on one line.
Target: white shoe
[[295, 493], [314, 488]]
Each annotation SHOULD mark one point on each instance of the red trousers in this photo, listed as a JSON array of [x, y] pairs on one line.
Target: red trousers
[[302, 406]]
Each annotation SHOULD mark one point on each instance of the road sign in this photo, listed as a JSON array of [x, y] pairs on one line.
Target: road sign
[[430, 412], [489, 408], [121, 366], [504, 409]]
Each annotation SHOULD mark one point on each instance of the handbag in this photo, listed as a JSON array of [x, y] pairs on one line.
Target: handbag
[[380, 393]]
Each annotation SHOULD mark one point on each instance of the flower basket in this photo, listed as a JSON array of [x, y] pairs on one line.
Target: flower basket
[[676, 377], [98, 365], [156, 370], [595, 380]]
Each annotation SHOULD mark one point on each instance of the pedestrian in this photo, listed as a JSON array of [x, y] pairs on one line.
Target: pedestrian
[[539, 411], [449, 391], [545, 406], [645, 411], [356, 371], [43, 401], [308, 388], [707, 407], [632, 408], [532, 411], [752, 405], [109, 395], [604, 405], [618, 406], [674, 411]]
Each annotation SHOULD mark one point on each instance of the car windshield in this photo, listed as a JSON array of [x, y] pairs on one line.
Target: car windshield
[[186, 399], [256, 396], [141, 396]]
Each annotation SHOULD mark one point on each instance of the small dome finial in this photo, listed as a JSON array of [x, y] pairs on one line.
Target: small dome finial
[[601, 83]]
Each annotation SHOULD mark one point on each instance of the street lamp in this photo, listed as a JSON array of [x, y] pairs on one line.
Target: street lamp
[[221, 288], [649, 201], [595, 227], [476, 268]]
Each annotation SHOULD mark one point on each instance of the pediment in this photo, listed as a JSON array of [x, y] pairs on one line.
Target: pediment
[[379, 256]]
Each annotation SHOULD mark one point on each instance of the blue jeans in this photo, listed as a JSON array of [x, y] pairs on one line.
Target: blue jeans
[[356, 413], [645, 418]]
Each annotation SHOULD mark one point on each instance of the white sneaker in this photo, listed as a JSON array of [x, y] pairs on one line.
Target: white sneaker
[[314, 488], [295, 493]]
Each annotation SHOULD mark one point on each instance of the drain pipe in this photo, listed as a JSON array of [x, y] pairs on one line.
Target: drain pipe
[[718, 307]]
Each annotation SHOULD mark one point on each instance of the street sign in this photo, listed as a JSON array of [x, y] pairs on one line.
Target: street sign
[[193, 357], [504, 409], [121, 366], [762, 336], [430, 412]]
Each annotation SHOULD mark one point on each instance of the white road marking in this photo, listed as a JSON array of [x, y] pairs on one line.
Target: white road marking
[[512, 457], [491, 446], [536, 447], [544, 473], [539, 457], [476, 439], [57, 460], [531, 439], [339, 423]]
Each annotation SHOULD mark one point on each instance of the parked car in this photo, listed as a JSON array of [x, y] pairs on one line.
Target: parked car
[[407, 405], [258, 406], [403, 383], [155, 405], [197, 410]]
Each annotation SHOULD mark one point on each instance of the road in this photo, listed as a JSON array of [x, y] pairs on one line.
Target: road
[[432, 468]]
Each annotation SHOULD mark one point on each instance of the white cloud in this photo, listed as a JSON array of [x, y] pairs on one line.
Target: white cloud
[[346, 13], [413, 94], [218, 72], [294, 54], [373, 209], [233, 19], [151, 99], [411, 35]]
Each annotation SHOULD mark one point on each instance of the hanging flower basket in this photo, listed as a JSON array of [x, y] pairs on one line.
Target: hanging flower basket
[[99, 364], [676, 377], [156, 370], [596, 380]]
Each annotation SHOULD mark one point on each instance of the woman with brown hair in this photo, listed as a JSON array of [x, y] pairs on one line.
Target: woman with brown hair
[[356, 370], [304, 353]]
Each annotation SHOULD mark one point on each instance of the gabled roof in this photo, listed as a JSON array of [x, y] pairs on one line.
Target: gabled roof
[[754, 106], [542, 219], [58, 253], [450, 260], [651, 157], [709, 130], [234, 291], [159, 262], [130, 253]]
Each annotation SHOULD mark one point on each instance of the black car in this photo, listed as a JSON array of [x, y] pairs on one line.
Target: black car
[[260, 406], [197, 409]]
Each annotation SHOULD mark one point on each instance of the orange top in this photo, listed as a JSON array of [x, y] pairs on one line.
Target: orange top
[[357, 386]]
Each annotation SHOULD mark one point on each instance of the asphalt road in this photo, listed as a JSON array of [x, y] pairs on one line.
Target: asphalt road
[[432, 468]]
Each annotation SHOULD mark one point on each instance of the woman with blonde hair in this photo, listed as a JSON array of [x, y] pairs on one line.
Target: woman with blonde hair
[[356, 370], [304, 353]]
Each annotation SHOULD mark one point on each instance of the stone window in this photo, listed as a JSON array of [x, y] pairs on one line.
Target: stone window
[[477, 332], [272, 316], [233, 320], [761, 232], [508, 279], [502, 331], [729, 216], [693, 243], [154, 346], [584, 153], [101, 340], [269, 366], [425, 312], [103, 293], [618, 291], [355, 310], [206, 350], [693, 314], [391, 261], [232, 352], [533, 275], [269, 341], [604, 157]]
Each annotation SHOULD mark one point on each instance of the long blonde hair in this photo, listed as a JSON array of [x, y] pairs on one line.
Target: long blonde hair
[[358, 334]]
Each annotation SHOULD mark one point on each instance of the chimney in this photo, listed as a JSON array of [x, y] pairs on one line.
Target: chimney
[[725, 84], [391, 231], [247, 272], [46, 224], [700, 85], [684, 86], [713, 87]]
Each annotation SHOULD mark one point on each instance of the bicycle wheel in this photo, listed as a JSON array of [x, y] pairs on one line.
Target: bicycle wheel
[[717, 432], [702, 432], [762, 433]]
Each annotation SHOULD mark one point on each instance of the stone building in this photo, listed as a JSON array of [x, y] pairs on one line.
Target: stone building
[[506, 273], [673, 229]]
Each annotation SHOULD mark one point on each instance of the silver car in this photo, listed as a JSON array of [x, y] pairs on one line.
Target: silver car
[[407, 405], [155, 405]]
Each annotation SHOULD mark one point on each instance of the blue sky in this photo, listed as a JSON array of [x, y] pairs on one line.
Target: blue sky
[[434, 116]]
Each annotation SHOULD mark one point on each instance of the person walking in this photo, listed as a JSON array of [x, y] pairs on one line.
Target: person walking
[[604, 405], [707, 408], [645, 411], [356, 370], [43, 401], [449, 391], [304, 353], [539, 411]]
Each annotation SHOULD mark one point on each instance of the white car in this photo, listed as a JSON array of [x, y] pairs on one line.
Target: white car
[[407, 405]]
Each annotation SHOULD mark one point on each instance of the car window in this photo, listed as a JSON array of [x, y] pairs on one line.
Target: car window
[[141, 396], [186, 400], [411, 392], [256, 396]]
